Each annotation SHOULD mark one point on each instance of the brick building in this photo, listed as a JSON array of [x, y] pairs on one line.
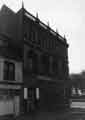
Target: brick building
[[34, 62]]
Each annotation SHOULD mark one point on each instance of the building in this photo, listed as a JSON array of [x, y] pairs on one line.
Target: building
[[11, 65], [34, 62], [46, 73], [78, 83]]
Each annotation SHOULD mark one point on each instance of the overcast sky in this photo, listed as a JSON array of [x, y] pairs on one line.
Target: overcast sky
[[68, 17]]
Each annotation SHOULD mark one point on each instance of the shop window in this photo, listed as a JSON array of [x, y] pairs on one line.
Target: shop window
[[9, 71]]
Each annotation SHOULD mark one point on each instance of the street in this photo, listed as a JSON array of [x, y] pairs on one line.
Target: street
[[73, 114]]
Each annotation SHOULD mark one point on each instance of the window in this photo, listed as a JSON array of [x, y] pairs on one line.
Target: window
[[32, 62], [35, 64], [45, 62], [54, 65], [60, 68], [25, 36], [29, 61], [33, 35], [9, 71], [51, 64]]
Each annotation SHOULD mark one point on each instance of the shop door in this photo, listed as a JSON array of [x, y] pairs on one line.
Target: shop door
[[31, 99]]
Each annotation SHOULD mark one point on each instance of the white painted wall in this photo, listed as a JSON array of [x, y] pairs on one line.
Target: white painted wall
[[6, 107], [10, 106]]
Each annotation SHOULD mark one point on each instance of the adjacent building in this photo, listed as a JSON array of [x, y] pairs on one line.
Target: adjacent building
[[11, 65], [78, 84]]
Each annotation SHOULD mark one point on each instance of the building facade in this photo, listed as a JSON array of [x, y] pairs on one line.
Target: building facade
[[33, 64], [11, 65], [46, 72]]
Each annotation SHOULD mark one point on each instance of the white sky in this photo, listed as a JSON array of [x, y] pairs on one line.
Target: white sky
[[68, 17]]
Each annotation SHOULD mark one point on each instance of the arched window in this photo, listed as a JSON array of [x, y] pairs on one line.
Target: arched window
[[9, 71]]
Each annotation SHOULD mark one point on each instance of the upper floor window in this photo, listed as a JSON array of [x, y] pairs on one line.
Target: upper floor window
[[45, 63], [53, 65], [9, 71], [29, 61], [32, 62], [33, 35]]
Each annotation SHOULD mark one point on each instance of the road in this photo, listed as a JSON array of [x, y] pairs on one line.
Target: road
[[72, 114], [76, 112]]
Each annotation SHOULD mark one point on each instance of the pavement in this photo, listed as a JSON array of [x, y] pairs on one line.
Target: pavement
[[71, 114], [74, 113]]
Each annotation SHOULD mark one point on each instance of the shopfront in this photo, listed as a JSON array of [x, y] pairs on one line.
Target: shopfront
[[31, 98], [10, 99]]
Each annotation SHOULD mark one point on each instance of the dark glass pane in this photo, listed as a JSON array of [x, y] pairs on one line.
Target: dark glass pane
[[45, 63], [35, 64], [6, 71], [11, 71]]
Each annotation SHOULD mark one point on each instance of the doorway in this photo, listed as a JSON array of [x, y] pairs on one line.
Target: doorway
[[31, 98]]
